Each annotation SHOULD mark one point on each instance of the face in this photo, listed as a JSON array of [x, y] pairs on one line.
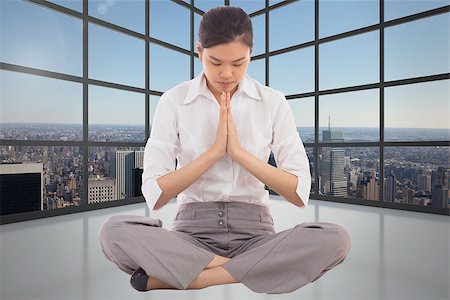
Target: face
[[224, 66]]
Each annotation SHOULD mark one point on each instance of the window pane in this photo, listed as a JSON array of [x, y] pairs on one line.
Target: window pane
[[289, 79], [249, 6], [197, 19], [125, 13], [257, 70], [411, 50], [153, 103], [72, 4], [303, 110], [49, 177], [417, 175], [353, 116], [342, 16], [198, 67], [116, 115], [168, 68], [116, 57], [206, 5], [291, 24], [114, 173], [350, 61], [44, 39], [349, 172], [170, 22], [259, 34], [418, 112], [273, 2], [396, 9], [40, 108]]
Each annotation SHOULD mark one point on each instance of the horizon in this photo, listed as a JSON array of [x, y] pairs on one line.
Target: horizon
[[140, 125]]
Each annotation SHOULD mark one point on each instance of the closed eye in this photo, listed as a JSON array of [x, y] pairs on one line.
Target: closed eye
[[233, 65]]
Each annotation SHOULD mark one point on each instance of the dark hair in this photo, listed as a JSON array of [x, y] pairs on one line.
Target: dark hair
[[224, 24]]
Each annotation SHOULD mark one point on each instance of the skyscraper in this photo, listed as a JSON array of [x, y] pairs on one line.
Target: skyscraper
[[333, 181], [21, 188], [424, 182], [371, 190], [124, 170], [101, 189], [439, 191], [122, 167], [338, 180], [408, 195], [440, 177], [390, 189], [139, 159]]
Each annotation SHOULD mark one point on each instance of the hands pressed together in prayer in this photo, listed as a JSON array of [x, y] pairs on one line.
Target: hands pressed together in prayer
[[227, 141]]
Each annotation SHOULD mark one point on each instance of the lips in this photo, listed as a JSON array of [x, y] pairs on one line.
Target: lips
[[225, 85]]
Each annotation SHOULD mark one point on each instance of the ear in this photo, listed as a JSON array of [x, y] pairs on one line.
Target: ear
[[198, 46]]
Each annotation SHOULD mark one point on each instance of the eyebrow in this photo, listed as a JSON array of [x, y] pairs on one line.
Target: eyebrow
[[220, 60]]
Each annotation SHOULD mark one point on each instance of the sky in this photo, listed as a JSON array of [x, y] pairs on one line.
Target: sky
[[53, 41]]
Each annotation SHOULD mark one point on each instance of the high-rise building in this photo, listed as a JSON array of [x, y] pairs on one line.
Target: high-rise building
[[439, 190], [137, 182], [371, 189], [339, 188], [338, 180], [126, 167], [139, 159], [22, 188], [408, 195], [333, 135], [347, 161], [440, 177], [353, 179], [390, 189], [333, 163], [137, 173], [101, 189], [424, 183], [439, 197], [325, 172], [122, 166]]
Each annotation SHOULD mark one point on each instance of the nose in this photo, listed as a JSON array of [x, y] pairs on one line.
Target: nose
[[226, 73]]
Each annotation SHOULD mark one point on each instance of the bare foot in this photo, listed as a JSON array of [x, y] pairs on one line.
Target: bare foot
[[217, 261]]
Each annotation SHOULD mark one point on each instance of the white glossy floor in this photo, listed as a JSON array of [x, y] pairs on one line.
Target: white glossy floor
[[394, 255]]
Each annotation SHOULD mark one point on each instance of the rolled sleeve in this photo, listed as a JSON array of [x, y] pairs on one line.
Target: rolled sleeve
[[160, 151], [288, 149]]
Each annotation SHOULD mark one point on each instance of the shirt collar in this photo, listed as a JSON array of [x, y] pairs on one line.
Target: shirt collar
[[198, 87]]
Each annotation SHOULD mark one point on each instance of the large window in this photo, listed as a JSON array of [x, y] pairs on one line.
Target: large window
[[367, 81]]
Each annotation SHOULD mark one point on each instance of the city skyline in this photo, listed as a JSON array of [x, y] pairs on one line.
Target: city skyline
[[142, 125], [414, 169], [136, 133]]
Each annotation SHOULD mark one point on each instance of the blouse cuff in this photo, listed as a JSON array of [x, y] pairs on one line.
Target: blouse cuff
[[303, 190], [151, 192]]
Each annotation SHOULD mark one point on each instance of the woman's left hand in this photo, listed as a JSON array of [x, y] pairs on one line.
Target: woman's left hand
[[233, 146]]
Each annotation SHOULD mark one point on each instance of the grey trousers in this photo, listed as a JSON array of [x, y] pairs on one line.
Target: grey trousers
[[261, 259]]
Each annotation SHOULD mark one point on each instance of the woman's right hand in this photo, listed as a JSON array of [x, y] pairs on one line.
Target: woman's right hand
[[219, 147]]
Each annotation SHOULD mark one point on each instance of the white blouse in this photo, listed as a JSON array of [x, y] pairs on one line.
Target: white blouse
[[185, 125]]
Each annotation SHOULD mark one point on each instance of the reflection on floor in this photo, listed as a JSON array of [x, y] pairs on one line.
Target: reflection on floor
[[394, 255]]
